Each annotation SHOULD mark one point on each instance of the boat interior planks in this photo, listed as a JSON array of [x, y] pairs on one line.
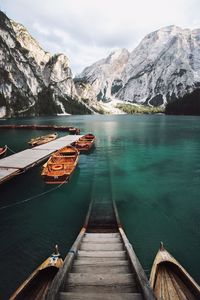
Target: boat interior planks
[[170, 281], [43, 139], [60, 166], [35, 287]]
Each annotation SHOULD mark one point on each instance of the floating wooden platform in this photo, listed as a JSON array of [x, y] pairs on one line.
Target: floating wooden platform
[[101, 263], [24, 160], [40, 127]]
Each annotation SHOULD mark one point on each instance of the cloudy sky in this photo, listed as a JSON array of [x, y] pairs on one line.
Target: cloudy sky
[[88, 30]]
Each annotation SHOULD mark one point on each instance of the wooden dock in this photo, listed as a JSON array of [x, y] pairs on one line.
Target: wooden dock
[[101, 263], [42, 127], [20, 162]]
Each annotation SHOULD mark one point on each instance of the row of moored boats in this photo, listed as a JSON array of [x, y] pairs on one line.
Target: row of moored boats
[[60, 166], [63, 162]]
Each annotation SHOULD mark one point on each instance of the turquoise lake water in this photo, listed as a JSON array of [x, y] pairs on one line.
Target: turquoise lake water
[[149, 164]]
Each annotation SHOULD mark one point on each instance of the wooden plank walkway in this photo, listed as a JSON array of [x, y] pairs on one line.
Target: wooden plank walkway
[[101, 263], [26, 159]]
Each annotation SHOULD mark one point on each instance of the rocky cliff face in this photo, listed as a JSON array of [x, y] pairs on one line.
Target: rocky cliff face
[[164, 66], [32, 81], [105, 75]]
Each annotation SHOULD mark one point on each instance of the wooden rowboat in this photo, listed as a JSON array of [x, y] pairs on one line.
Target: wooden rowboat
[[35, 287], [60, 165], [74, 130], [3, 151], [43, 139], [85, 143], [170, 281]]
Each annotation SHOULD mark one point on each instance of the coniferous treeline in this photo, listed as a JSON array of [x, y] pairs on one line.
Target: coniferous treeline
[[139, 109], [188, 105]]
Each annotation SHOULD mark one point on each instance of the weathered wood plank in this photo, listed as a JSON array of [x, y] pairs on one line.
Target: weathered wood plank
[[99, 247], [105, 296], [101, 240], [100, 279], [112, 254], [101, 269], [7, 173], [140, 274], [101, 262], [102, 235], [101, 289]]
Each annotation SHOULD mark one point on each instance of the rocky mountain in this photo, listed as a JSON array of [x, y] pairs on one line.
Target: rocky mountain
[[163, 67], [32, 81], [105, 75]]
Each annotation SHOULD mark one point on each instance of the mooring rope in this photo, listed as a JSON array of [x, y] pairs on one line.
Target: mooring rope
[[33, 197], [10, 149]]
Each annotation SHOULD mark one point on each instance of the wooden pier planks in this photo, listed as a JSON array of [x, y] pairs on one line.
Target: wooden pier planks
[[58, 143], [26, 159], [6, 173], [101, 263], [103, 271]]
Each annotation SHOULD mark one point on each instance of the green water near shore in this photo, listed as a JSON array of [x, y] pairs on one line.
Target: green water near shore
[[149, 164]]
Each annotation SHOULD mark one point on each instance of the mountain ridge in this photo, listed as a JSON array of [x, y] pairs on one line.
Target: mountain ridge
[[34, 82], [164, 66]]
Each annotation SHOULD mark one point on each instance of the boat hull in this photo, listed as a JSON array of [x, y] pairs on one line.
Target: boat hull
[[43, 140], [60, 166], [37, 284], [170, 281], [56, 179], [3, 151], [86, 143]]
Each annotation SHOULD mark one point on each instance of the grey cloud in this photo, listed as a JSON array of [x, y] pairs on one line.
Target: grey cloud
[[85, 30]]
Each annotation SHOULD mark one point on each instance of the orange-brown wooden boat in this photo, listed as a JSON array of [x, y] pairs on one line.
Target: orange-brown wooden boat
[[43, 139], [35, 287], [170, 281], [60, 165], [3, 151], [85, 143]]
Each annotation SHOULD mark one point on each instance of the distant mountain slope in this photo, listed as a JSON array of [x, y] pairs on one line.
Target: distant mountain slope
[[104, 75], [32, 81], [164, 67]]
